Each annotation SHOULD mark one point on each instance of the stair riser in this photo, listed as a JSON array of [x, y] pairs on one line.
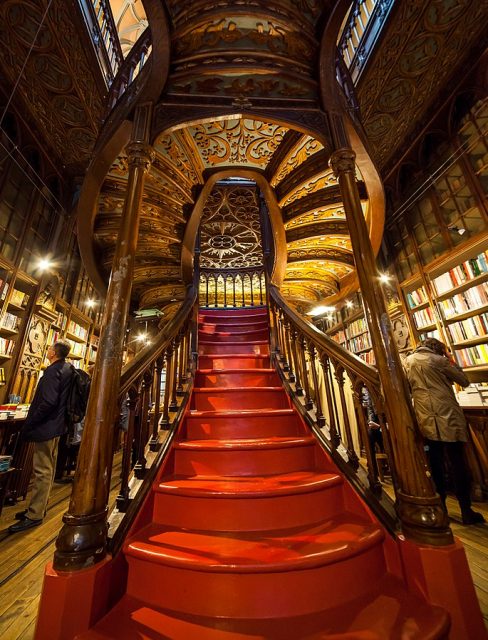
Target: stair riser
[[247, 514], [254, 595], [216, 362], [239, 399], [237, 379], [229, 315], [244, 462], [226, 428], [232, 327], [233, 337], [222, 347]]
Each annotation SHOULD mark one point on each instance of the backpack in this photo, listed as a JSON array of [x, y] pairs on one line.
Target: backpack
[[78, 392]]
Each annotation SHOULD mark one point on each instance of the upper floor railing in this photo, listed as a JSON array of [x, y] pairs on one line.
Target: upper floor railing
[[232, 287], [103, 32], [360, 33]]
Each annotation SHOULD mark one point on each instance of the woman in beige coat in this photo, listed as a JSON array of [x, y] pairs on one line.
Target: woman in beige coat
[[431, 373]]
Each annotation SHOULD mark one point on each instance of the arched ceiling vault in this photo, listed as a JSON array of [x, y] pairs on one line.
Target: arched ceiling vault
[[293, 164]]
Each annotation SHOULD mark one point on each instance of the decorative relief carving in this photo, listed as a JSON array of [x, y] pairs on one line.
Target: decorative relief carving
[[333, 255], [230, 231], [241, 141], [319, 215], [60, 91], [421, 45], [327, 179], [303, 150]]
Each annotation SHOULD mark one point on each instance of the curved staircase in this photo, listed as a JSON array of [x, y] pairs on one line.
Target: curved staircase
[[253, 532]]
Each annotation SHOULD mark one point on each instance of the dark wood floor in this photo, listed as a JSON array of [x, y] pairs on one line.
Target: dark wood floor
[[23, 557]]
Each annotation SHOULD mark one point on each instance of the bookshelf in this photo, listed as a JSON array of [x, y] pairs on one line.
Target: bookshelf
[[458, 310]]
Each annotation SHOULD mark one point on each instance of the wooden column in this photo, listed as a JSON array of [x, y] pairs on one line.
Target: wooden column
[[82, 540], [419, 508]]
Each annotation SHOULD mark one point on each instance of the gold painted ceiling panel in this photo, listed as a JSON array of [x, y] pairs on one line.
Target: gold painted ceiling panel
[[303, 150]]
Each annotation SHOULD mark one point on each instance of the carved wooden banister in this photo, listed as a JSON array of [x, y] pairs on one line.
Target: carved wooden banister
[[241, 287], [348, 360], [136, 367]]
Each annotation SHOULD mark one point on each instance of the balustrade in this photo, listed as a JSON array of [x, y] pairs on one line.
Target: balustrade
[[333, 388]]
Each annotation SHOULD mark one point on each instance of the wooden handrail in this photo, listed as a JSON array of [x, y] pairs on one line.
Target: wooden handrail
[[136, 367], [349, 361]]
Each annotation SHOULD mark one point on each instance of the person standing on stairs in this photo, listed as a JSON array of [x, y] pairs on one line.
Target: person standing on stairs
[[431, 372], [45, 422]]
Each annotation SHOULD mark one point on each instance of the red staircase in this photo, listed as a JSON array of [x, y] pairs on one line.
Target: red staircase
[[253, 533]]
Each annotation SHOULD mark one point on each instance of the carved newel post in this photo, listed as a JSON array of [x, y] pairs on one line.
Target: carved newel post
[[82, 540], [418, 506]]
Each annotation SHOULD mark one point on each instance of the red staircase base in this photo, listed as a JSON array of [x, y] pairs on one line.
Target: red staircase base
[[251, 533]]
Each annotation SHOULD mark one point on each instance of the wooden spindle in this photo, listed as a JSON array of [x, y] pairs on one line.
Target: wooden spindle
[[320, 418], [154, 442], [168, 357], [351, 453], [334, 436], [122, 499]]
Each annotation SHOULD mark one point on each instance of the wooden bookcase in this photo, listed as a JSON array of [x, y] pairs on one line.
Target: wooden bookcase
[[451, 303]]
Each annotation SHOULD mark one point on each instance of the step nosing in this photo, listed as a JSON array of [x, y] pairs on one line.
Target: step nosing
[[244, 444], [244, 413], [337, 551]]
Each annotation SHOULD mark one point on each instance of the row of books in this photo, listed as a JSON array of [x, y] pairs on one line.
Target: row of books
[[77, 330], [6, 346], [10, 321], [473, 356], [340, 337], [358, 326], [469, 300], [368, 356], [416, 298], [360, 342], [462, 273], [470, 329], [423, 318]]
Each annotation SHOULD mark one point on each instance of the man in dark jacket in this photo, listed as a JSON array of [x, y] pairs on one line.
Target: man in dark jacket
[[45, 423], [431, 372]]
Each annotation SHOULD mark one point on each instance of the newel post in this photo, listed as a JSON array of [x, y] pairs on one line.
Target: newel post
[[82, 540], [418, 506]]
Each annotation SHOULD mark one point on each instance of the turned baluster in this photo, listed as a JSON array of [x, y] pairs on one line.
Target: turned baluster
[[181, 359], [123, 497], [154, 442], [243, 293], [334, 400], [173, 405], [334, 436], [260, 276], [168, 357], [294, 356], [225, 290], [288, 351], [216, 300], [351, 453], [312, 352], [252, 289], [234, 290], [206, 289], [372, 468], [140, 466], [304, 369]]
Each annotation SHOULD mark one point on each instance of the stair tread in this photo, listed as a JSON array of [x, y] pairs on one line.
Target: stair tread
[[236, 370], [387, 612], [213, 390], [250, 486], [249, 413], [270, 442], [241, 343], [339, 538]]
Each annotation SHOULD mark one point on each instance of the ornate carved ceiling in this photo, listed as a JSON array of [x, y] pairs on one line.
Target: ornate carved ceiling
[[421, 46], [57, 81]]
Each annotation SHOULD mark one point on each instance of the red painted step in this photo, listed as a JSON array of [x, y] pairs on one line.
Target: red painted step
[[257, 313], [233, 336], [292, 570], [252, 423], [386, 612], [233, 361], [260, 347], [248, 503], [246, 457], [236, 378], [224, 398], [209, 327]]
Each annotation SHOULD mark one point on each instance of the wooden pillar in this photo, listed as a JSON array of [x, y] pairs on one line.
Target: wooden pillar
[[82, 540], [173, 403], [168, 356], [123, 497], [143, 435], [418, 506]]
